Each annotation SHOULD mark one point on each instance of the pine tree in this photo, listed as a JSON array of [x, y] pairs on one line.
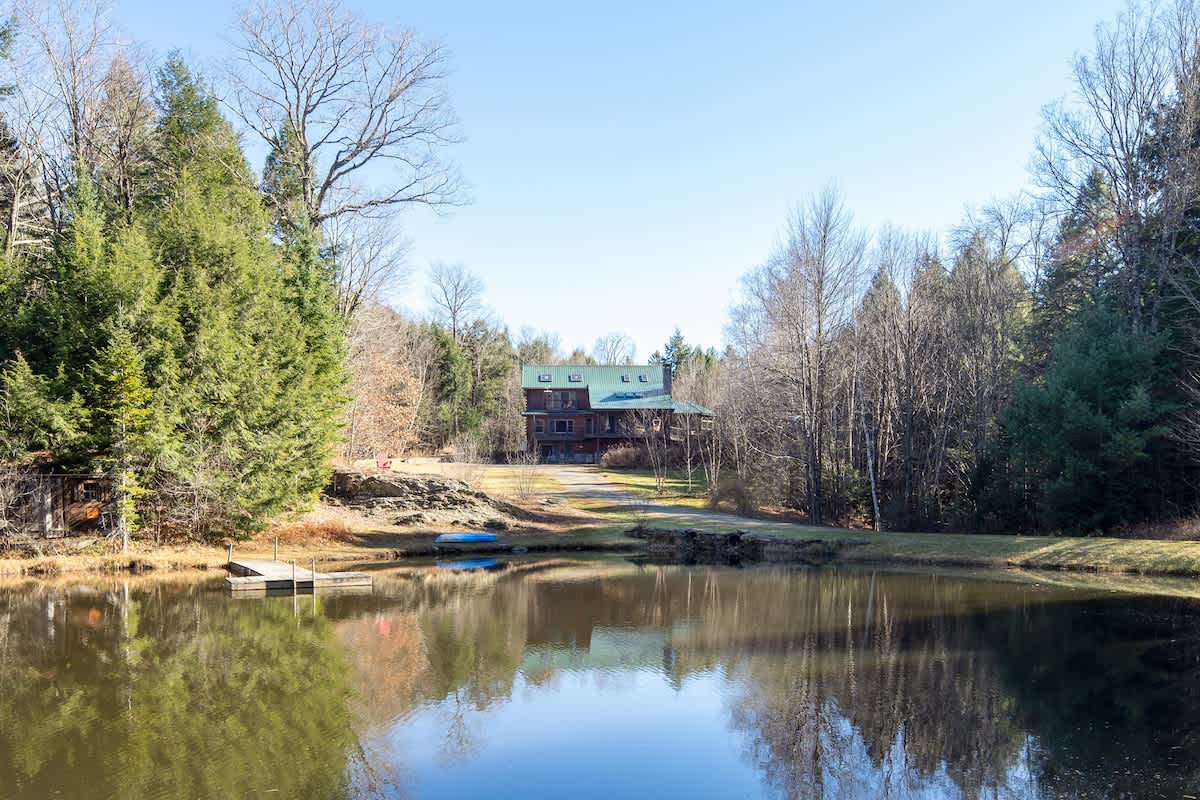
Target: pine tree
[[453, 386], [1079, 272], [1087, 448], [32, 415], [173, 342], [676, 353], [286, 178], [257, 341], [122, 422]]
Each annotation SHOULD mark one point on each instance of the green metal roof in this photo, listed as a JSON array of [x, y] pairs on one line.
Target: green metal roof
[[594, 378], [610, 388]]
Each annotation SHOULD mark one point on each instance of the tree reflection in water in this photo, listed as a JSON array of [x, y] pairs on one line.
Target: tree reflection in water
[[834, 684], [159, 693]]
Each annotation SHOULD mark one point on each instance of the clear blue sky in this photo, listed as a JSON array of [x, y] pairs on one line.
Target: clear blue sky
[[628, 161]]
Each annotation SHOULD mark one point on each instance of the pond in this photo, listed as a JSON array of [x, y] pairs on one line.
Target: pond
[[600, 679]]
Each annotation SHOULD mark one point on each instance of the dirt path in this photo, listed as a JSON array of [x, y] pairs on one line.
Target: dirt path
[[588, 483]]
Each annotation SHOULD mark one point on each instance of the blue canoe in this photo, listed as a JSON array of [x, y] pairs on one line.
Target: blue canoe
[[468, 563], [465, 538]]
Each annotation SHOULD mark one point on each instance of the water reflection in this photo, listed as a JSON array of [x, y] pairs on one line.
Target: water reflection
[[158, 693], [601, 680]]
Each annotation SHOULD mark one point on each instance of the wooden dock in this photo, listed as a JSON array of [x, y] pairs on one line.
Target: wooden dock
[[265, 575]]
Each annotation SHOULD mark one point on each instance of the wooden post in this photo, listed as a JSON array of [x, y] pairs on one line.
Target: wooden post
[[276, 548], [314, 574], [293, 577], [229, 555]]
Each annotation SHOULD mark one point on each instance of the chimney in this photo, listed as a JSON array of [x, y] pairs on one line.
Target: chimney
[[666, 379]]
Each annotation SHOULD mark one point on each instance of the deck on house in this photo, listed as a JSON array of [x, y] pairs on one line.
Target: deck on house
[[262, 575]]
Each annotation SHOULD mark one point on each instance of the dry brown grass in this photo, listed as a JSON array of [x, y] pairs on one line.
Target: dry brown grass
[[1182, 529], [140, 558], [307, 533]]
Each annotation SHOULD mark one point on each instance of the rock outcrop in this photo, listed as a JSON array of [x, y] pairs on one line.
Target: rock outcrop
[[408, 500], [689, 544]]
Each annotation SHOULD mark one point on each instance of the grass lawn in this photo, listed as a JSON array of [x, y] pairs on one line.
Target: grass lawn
[[676, 492], [1141, 556], [1091, 554]]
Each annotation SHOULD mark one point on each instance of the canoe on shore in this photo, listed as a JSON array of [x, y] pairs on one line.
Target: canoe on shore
[[471, 537]]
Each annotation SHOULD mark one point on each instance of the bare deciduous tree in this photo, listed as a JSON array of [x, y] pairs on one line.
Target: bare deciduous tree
[[370, 256], [797, 304], [391, 362], [122, 140], [72, 40], [457, 295], [708, 387], [1143, 64], [57, 68], [538, 347], [367, 107], [614, 349], [647, 424]]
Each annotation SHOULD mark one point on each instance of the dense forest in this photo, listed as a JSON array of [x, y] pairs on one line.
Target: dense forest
[[195, 271], [1036, 369], [170, 315]]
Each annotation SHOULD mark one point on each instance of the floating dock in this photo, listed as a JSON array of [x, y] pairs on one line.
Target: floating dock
[[264, 575]]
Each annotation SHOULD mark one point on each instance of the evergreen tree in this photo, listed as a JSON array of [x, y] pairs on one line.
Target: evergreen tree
[[489, 352], [1087, 448], [676, 353], [32, 415], [286, 177], [257, 343], [122, 422], [1081, 266], [209, 355], [452, 386]]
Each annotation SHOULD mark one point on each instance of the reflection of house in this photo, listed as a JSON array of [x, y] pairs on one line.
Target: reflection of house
[[574, 413], [605, 648], [50, 504]]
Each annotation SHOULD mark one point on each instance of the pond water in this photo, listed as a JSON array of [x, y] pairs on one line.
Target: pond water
[[600, 680]]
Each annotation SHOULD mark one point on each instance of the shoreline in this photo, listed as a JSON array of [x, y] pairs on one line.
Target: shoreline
[[1128, 558]]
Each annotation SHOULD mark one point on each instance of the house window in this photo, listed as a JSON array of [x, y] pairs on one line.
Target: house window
[[539, 425], [624, 379], [544, 377], [560, 400], [564, 426], [643, 379], [587, 426], [611, 426], [575, 377], [91, 491]]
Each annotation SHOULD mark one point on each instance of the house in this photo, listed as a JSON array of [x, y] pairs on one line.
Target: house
[[575, 413]]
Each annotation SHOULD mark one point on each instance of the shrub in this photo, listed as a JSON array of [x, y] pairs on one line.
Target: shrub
[[735, 490], [623, 457]]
